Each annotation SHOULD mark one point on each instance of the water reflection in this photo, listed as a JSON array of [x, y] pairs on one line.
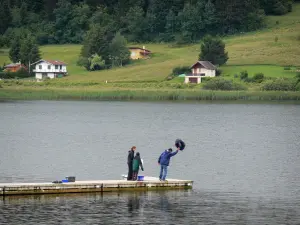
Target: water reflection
[[165, 207], [134, 203]]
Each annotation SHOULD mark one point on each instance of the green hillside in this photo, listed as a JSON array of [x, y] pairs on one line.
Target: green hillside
[[254, 52]]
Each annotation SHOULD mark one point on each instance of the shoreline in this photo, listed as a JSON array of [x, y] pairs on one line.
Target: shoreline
[[173, 95]]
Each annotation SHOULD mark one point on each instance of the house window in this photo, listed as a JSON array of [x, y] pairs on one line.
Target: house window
[[56, 67], [49, 67], [60, 67], [40, 67]]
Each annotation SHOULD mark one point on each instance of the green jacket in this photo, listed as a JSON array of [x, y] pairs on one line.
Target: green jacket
[[137, 163]]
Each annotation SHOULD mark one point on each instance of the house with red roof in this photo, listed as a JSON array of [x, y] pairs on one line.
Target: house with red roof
[[139, 53], [200, 69], [14, 67], [49, 68]]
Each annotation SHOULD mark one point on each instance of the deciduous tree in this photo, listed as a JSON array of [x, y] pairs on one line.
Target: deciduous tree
[[118, 51]]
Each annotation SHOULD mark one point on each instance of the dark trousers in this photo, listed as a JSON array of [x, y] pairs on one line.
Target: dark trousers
[[135, 175], [129, 176]]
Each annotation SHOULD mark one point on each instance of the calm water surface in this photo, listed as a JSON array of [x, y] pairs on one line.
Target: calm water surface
[[243, 158]]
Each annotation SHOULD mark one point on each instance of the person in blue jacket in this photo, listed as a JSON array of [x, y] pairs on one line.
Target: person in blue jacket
[[164, 161]]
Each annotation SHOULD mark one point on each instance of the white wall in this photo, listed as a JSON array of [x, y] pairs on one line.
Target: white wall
[[50, 75], [38, 76], [208, 73], [186, 79], [45, 68]]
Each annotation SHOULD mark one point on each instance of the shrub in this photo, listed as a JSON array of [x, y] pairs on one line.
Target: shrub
[[218, 84], [244, 75], [238, 86], [218, 72], [222, 84], [1, 84], [206, 79], [258, 78], [84, 62], [276, 39], [287, 68], [297, 76], [22, 73], [297, 87], [180, 70], [280, 84]]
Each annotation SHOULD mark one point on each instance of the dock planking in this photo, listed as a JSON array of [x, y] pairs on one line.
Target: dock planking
[[149, 183]]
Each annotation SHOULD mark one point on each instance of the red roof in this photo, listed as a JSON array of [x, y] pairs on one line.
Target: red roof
[[206, 64], [56, 62], [12, 65], [53, 62]]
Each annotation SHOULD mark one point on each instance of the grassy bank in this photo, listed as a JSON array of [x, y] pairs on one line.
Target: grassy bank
[[147, 95], [273, 51]]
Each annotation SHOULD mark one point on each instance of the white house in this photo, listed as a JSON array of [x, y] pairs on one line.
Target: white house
[[49, 68], [200, 69]]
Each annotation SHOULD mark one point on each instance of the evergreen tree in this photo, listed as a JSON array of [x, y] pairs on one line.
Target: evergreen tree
[[135, 23], [150, 27], [35, 5], [5, 16], [233, 14], [276, 7], [1, 41], [14, 51], [192, 22], [118, 51], [29, 51], [171, 26], [210, 17], [49, 6], [79, 23], [63, 15], [213, 50], [159, 9]]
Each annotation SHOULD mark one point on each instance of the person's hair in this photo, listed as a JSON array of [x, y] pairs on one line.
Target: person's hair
[[133, 147], [170, 150], [137, 154]]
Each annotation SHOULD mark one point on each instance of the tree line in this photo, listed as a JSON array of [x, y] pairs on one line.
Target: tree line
[[183, 21]]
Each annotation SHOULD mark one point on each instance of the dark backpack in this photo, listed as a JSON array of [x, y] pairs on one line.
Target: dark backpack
[[180, 144]]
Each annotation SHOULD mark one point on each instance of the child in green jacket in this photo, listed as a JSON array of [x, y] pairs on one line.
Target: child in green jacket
[[136, 164]]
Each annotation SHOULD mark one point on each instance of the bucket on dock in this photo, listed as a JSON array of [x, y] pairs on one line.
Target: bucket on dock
[[70, 179], [140, 178]]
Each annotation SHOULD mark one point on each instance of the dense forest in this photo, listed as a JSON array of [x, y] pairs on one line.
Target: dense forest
[[183, 21]]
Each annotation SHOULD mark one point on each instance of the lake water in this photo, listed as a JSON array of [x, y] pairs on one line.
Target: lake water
[[244, 160]]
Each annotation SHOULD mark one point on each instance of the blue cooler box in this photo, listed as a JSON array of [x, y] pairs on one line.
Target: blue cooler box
[[140, 178]]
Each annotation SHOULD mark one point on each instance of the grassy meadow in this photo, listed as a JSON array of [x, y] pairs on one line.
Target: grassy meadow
[[267, 51]]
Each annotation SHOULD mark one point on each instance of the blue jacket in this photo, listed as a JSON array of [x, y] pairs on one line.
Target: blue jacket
[[164, 158]]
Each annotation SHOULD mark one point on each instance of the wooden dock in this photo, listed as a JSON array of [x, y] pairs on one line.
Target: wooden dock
[[149, 183]]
